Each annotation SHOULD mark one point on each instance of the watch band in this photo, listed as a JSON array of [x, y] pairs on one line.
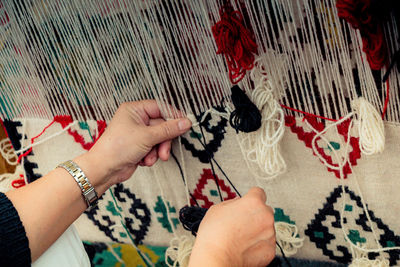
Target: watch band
[[88, 191]]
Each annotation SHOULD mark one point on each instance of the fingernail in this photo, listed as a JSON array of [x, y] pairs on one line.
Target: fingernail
[[184, 124]]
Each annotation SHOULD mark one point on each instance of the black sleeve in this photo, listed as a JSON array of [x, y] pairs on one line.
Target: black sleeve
[[14, 245]]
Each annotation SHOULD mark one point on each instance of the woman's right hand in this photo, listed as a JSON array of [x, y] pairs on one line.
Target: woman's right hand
[[237, 232]]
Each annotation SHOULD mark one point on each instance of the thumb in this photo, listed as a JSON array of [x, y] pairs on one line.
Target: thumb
[[168, 130]]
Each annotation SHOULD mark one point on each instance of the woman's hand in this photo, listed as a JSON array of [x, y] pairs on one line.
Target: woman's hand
[[137, 135], [237, 232]]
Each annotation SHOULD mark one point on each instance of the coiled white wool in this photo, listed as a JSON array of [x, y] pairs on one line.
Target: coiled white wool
[[371, 128], [287, 238], [360, 259], [261, 148], [7, 152], [179, 251]]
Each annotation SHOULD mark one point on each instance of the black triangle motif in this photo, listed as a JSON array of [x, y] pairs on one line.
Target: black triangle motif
[[217, 133], [322, 229]]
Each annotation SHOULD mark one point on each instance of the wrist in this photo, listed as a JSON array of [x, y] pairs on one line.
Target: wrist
[[95, 171]]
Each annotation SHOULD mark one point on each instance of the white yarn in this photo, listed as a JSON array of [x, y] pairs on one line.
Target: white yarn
[[371, 128], [360, 259], [261, 149], [22, 150], [286, 236], [7, 152], [365, 262], [179, 251]]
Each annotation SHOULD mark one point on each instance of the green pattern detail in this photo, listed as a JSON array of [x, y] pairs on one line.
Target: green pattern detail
[[195, 135], [106, 258], [319, 234], [160, 208], [390, 244], [214, 193], [160, 252], [348, 207], [280, 216], [122, 234], [85, 126], [111, 208], [355, 237], [335, 145]]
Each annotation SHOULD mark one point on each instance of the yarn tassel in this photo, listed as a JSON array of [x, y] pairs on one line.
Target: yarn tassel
[[287, 237], [360, 259], [261, 149], [371, 127], [179, 251], [191, 217], [246, 117], [7, 152]]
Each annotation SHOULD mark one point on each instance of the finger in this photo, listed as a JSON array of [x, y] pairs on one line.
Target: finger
[[151, 157], [257, 192], [167, 130], [165, 147], [164, 150]]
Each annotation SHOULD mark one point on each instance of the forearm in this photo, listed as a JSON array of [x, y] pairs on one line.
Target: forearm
[[48, 206]]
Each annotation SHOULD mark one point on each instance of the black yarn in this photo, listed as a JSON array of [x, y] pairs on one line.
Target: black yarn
[[191, 217], [246, 117], [219, 167], [395, 60], [276, 262]]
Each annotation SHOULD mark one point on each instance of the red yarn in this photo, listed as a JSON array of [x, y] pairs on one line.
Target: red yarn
[[236, 42], [17, 183], [32, 141], [386, 100], [4, 128], [358, 14], [306, 113], [65, 121]]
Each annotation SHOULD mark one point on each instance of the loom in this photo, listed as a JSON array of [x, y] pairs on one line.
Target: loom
[[84, 58]]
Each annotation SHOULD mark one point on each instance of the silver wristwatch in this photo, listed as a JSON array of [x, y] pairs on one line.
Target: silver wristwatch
[[88, 191]]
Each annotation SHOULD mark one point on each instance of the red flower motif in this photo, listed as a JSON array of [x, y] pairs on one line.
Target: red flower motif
[[307, 137], [207, 177]]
